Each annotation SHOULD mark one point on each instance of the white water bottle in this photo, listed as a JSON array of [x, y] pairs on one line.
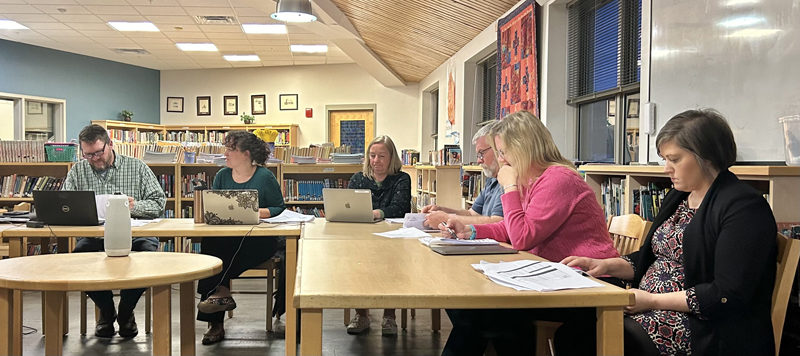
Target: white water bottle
[[117, 234]]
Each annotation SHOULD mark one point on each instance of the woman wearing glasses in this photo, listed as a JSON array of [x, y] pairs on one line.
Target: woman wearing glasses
[[548, 211], [245, 156]]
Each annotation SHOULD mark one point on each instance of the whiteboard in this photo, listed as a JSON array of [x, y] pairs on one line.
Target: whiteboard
[[741, 57]]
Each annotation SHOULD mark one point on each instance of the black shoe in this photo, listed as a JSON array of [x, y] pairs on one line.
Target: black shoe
[[105, 325], [127, 325]]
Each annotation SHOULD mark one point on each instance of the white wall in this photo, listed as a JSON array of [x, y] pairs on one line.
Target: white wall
[[397, 113], [6, 119]]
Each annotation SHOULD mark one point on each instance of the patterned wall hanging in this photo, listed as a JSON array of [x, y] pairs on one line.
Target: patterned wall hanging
[[517, 80]]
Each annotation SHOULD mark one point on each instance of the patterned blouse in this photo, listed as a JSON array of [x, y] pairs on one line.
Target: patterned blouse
[[669, 329]]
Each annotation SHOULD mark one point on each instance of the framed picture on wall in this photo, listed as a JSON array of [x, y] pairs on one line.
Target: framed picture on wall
[[287, 101], [633, 108], [34, 107], [203, 106], [231, 105], [258, 104], [174, 104]]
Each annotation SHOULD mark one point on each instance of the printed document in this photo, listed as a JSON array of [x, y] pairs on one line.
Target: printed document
[[404, 233], [288, 216], [535, 275]]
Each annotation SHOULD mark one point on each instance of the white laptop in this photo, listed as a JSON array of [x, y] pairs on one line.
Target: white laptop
[[230, 207], [348, 205]]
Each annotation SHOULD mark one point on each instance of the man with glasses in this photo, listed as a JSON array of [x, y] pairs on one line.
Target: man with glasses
[[105, 172], [487, 207]]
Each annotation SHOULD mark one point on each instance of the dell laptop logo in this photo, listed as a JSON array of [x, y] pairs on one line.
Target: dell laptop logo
[[65, 208]]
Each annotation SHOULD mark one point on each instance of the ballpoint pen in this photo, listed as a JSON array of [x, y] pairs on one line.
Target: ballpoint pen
[[449, 230]]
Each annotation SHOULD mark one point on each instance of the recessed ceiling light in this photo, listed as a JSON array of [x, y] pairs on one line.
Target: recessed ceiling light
[[199, 47], [309, 48], [133, 26], [11, 25], [241, 58], [273, 29]]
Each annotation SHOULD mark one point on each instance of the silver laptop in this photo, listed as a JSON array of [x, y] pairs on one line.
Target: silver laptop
[[348, 205], [230, 207]]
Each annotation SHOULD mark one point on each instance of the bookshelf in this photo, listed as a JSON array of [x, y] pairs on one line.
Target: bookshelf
[[429, 192], [779, 184], [137, 132], [472, 184], [14, 175], [302, 184], [166, 174]]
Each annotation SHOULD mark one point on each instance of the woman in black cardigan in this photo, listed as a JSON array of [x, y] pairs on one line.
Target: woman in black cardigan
[[707, 267]]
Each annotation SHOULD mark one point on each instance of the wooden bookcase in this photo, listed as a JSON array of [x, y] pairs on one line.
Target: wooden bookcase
[[128, 131], [780, 184], [312, 172], [470, 191], [430, 191]]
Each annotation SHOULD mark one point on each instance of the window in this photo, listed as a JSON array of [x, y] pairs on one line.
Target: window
[[32, 118], [435, 111], [488, 70], [39, 120], [604, 60]]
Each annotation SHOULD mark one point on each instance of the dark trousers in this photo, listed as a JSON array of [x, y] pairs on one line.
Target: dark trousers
[[252, 251], [127, 297], [578, 336], [510, 330]]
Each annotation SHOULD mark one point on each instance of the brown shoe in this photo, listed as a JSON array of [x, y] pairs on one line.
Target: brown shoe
[[214, 334], [215, 305]]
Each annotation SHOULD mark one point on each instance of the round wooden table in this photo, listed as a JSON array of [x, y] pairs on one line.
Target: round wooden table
[[57, 274]]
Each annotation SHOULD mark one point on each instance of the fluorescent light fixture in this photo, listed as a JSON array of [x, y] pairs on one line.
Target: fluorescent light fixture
[[309, 48], [11, 25], [133, 26], [753, 32], [734, 3], [241, 58], [293, 11], [271, 29], [742, 21], [197, 47]]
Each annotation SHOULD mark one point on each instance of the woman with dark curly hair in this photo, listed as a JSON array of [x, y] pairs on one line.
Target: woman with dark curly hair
[[245, 155]]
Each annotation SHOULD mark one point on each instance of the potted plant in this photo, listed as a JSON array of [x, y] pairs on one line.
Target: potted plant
[[247, 119], [126, 115]]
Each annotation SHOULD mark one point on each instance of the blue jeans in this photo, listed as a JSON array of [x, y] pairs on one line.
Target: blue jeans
[[127, 297]]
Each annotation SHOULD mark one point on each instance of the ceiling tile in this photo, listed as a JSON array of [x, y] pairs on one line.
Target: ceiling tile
[[6, 9], [17, 2], [338, 60], [283, 62], [154, 2], [233, 48], [131, 18], [209, 11], [52, 2], [245, 64], [101, 2], [115, 42], [63, 9], [207, 3], [160, 10], [47, 26], [221, 28], [155, 42], [77, 18], [252, 12], [183, 28], [182, 36], [91, 26], [109, 33], [172, 20], [112, 10], [257, 19], [226, 36], [23, 18], [60, 33]]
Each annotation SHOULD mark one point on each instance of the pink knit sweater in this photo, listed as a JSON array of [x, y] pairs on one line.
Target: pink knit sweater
[[558, 217]]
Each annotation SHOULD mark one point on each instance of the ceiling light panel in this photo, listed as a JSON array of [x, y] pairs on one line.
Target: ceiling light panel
[[133, 26], [11, 25], [241, 58], [197, 47]]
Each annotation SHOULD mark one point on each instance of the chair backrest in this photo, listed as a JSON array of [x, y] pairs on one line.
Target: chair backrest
[[788, 255], [628, 232]]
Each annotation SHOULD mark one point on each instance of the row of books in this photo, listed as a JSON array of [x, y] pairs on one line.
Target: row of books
[[409, 157], [130, 136], [612, 190], [15, 186], [309, 190], [317, 212], [424, 199], [187, 211], [187, 183], [647, 200], [169, 214], [321, 154], [191, 246], [472, 185], [167, 183], [36, 249], [22, 151], [166, 246], [449, 155]]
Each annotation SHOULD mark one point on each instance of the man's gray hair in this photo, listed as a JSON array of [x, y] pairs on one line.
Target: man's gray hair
[[483, 131]]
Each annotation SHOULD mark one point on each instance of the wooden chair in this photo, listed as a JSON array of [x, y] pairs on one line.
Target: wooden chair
[[627, 233], [788, 255], [271, 269]]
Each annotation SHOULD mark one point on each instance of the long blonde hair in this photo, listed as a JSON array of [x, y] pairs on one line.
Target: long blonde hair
[[528, 143], [394, 164]]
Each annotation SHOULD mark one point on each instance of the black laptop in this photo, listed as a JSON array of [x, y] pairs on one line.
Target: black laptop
[[63, 207]]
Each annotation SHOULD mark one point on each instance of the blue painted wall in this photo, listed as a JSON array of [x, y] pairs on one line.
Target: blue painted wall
[[95, 89]]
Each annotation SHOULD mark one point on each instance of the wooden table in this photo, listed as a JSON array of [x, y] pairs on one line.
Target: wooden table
[[57, 274], [405, 274], [168, 228], [325, 230]]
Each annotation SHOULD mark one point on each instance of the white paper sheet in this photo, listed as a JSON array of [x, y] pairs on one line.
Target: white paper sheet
[[404, 233], [288, 216], [535, 275], [142, 222], [395, 220], [427, 241], [100, 201], [417, 220]]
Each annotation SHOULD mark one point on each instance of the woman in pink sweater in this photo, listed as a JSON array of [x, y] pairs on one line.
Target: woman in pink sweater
[[548, 210]]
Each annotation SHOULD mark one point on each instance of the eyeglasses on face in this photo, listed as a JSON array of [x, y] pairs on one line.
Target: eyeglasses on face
[[482, 152], [97, 154]]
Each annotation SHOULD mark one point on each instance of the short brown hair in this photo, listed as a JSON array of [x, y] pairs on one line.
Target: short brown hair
[[92, 133], [705, 133]]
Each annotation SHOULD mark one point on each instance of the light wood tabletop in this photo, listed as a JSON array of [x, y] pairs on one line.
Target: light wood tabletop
[[17, 241], [327, 230], [58, 273], [421, 278]]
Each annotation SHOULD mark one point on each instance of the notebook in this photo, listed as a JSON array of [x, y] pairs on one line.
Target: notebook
[[64, 207], [348, 205], [447, 246], [230, 207]]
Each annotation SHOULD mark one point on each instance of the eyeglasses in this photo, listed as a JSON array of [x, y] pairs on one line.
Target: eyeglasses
[[95, 154], [481, 152], [501, 154]]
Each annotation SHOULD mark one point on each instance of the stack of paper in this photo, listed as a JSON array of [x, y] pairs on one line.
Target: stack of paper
[[417, 220], [304, 159], [404, 233], [535, 275], [347, 157], [288, 216], [442, 241]]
